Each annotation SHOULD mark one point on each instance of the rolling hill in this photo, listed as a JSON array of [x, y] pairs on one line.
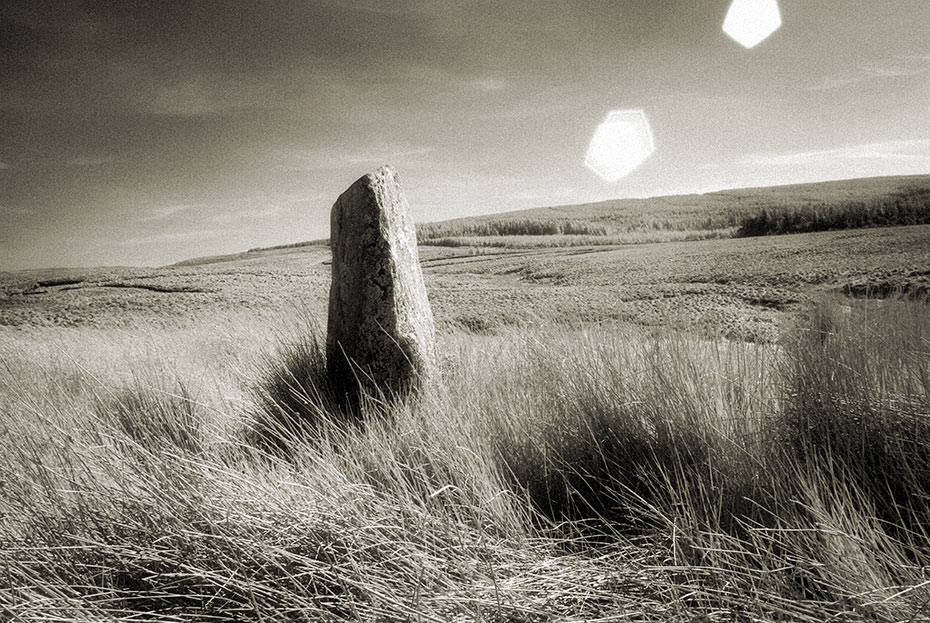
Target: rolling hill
[[844, 204]]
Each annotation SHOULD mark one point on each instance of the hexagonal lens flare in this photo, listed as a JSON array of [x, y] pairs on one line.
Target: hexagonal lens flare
[[620, 144], [749, 22]]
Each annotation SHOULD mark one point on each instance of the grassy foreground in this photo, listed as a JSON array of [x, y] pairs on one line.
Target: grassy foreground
[[554, 474]]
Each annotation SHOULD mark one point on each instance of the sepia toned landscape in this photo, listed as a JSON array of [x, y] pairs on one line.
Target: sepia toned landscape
[[677, 429], [464, 311]]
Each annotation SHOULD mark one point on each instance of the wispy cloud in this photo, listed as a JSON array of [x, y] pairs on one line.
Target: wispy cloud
[[894, 67], [90, 161], [213, 95], [170, 236], [378, 155], [487, 85], [164, 212], [328, 159], [200, 215], [187, 98], [248, 212], [910, 151]]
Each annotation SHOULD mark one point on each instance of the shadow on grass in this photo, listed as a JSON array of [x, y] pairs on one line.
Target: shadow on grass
[[859, 400], [296, 399], [300, 399], [626, 466]]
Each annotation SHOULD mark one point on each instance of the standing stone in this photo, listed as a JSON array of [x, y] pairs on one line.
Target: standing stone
[[380, 329]]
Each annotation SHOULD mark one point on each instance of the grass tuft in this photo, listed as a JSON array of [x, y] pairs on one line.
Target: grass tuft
[[155, 418]]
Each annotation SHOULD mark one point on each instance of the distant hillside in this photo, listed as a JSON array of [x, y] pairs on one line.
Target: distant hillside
[[281, 249], [819, 206], [843, 204]]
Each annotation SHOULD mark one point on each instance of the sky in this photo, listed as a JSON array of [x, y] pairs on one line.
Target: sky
[[144, 133]]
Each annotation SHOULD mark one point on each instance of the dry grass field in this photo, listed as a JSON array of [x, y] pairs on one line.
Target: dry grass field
[[733, 287], [730, 429]]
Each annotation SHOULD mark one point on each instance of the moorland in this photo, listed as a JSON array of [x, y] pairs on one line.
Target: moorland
[[706, 407]]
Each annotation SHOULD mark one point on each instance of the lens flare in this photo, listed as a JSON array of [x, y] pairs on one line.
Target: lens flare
[[749, 22], [620, 144]]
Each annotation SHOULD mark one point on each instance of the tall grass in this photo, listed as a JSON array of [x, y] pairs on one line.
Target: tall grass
[[554, 474], [863, 406]]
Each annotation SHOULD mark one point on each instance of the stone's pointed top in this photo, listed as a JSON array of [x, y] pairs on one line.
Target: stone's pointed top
[[376, 192], [382, 186], [381, 174], [385, 171]]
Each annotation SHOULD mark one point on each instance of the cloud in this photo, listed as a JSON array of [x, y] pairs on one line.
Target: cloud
[[89, 161], [487, 85], [904, 151], [4, 165], [894, 67], [385, 155], [169, 236], [237, 215], [164, 212], [895, 157], [328, 159], [200, 95], [184, 99]]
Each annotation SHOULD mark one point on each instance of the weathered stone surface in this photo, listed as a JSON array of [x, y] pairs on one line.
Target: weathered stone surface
[[380, 328]]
